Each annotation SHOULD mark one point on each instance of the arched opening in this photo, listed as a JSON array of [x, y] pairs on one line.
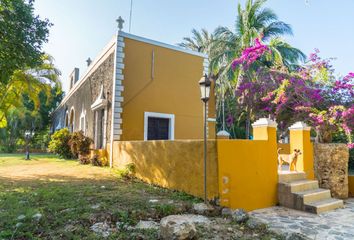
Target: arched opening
[[66, 124]]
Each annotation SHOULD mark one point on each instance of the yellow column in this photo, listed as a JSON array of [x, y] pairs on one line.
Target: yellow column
[[265, 129], [300, 139]]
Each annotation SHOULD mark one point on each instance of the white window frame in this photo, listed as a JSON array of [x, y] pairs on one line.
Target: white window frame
[[171, 129], [83, 117]]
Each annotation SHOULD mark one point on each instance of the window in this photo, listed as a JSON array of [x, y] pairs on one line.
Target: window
[[159, 126], [83, 121], [100, 133]]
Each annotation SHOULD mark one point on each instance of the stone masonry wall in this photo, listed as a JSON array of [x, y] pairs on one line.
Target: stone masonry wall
[[331, 168], [86, 94]]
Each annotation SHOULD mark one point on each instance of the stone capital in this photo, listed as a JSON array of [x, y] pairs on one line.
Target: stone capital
[[223, 135], [300, 126], [264, 122]]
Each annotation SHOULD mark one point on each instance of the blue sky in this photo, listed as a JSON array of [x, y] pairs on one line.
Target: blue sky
[[83, 27]]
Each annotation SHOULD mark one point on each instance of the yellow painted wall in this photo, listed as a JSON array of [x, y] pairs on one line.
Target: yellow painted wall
[[248, 174], [285, 148], [351, 185], [171, 164], [172, 89], [300, 139]]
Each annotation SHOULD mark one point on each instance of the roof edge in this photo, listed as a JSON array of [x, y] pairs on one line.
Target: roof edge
[[161, 44]]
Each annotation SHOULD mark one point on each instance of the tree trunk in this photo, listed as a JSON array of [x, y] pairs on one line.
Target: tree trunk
[[248, 125]]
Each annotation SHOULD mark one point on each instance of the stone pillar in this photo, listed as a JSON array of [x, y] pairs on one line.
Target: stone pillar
[[300, 139], [331, 167], [265, 129]]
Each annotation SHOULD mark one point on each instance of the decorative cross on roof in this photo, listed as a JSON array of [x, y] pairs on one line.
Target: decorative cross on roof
[[120, 22], [89, 61]]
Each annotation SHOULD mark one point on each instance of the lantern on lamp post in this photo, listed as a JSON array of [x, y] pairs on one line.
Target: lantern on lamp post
[[28, 136], [204, 85]]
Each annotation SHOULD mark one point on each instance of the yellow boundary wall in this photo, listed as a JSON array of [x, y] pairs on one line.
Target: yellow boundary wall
[[248, 173], [242, 173], [177, 165], [351, 185]]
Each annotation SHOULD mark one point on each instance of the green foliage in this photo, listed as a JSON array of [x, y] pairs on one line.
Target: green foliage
[[84, 159], [79, 144], [22, 35], [98, 161], [127, 172], [59, 144]]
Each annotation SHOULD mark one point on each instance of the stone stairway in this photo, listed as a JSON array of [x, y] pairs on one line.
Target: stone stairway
[[295, 191]]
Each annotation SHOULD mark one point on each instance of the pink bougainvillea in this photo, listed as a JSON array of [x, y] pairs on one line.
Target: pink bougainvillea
[[251, 54], [311, 93]]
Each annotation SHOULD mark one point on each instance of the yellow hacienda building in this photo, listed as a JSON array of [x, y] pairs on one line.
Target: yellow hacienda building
[[137, 89]]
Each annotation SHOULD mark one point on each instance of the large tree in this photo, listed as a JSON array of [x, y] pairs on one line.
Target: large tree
[[32, 82], [22, 35]]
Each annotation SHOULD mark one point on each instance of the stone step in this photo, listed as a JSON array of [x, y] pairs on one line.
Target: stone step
[[286, 176], [323, 205], [309, 196], [314, 195], [297, 186]]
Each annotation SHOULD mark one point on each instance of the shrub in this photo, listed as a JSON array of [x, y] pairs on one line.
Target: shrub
[[128, 172], [84, 159], [98, 161], [79, 144], [59, 143]]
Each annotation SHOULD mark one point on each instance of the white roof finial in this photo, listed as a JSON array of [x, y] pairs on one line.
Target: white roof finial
[[120, 22]]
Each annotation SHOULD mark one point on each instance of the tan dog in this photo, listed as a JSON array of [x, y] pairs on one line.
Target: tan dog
[[290, 159]]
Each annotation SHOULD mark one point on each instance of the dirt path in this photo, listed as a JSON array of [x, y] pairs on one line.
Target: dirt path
[[49, 168]]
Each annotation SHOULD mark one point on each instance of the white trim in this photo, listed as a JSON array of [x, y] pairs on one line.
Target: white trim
[[171, 117], [300, 126], [161, 44], [100, 102], [264, 122], [117, 100], [66, 119], [83, 116]]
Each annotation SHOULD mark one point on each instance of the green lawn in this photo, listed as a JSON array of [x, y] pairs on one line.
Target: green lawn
[[72, 197], [50, 198]]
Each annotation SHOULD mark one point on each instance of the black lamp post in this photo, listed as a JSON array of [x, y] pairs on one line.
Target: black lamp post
[[204, 84], [28, 136]]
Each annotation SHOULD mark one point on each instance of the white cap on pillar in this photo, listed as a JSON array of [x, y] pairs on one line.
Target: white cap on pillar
[[264, 122], [223, 134], [300, 126]]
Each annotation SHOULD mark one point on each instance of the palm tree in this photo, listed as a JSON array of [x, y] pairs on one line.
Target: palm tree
[[284, 54], [28, 81], [200, 41], [253, 22]]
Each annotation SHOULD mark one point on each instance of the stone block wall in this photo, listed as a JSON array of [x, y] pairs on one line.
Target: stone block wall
[[331, 168]]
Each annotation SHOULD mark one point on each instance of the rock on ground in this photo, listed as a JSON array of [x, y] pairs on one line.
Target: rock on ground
[[147, 225], [178, 227], [254, 223], [296, 236], [37, 216], [102, 229], [202, 208], [239, 215]]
